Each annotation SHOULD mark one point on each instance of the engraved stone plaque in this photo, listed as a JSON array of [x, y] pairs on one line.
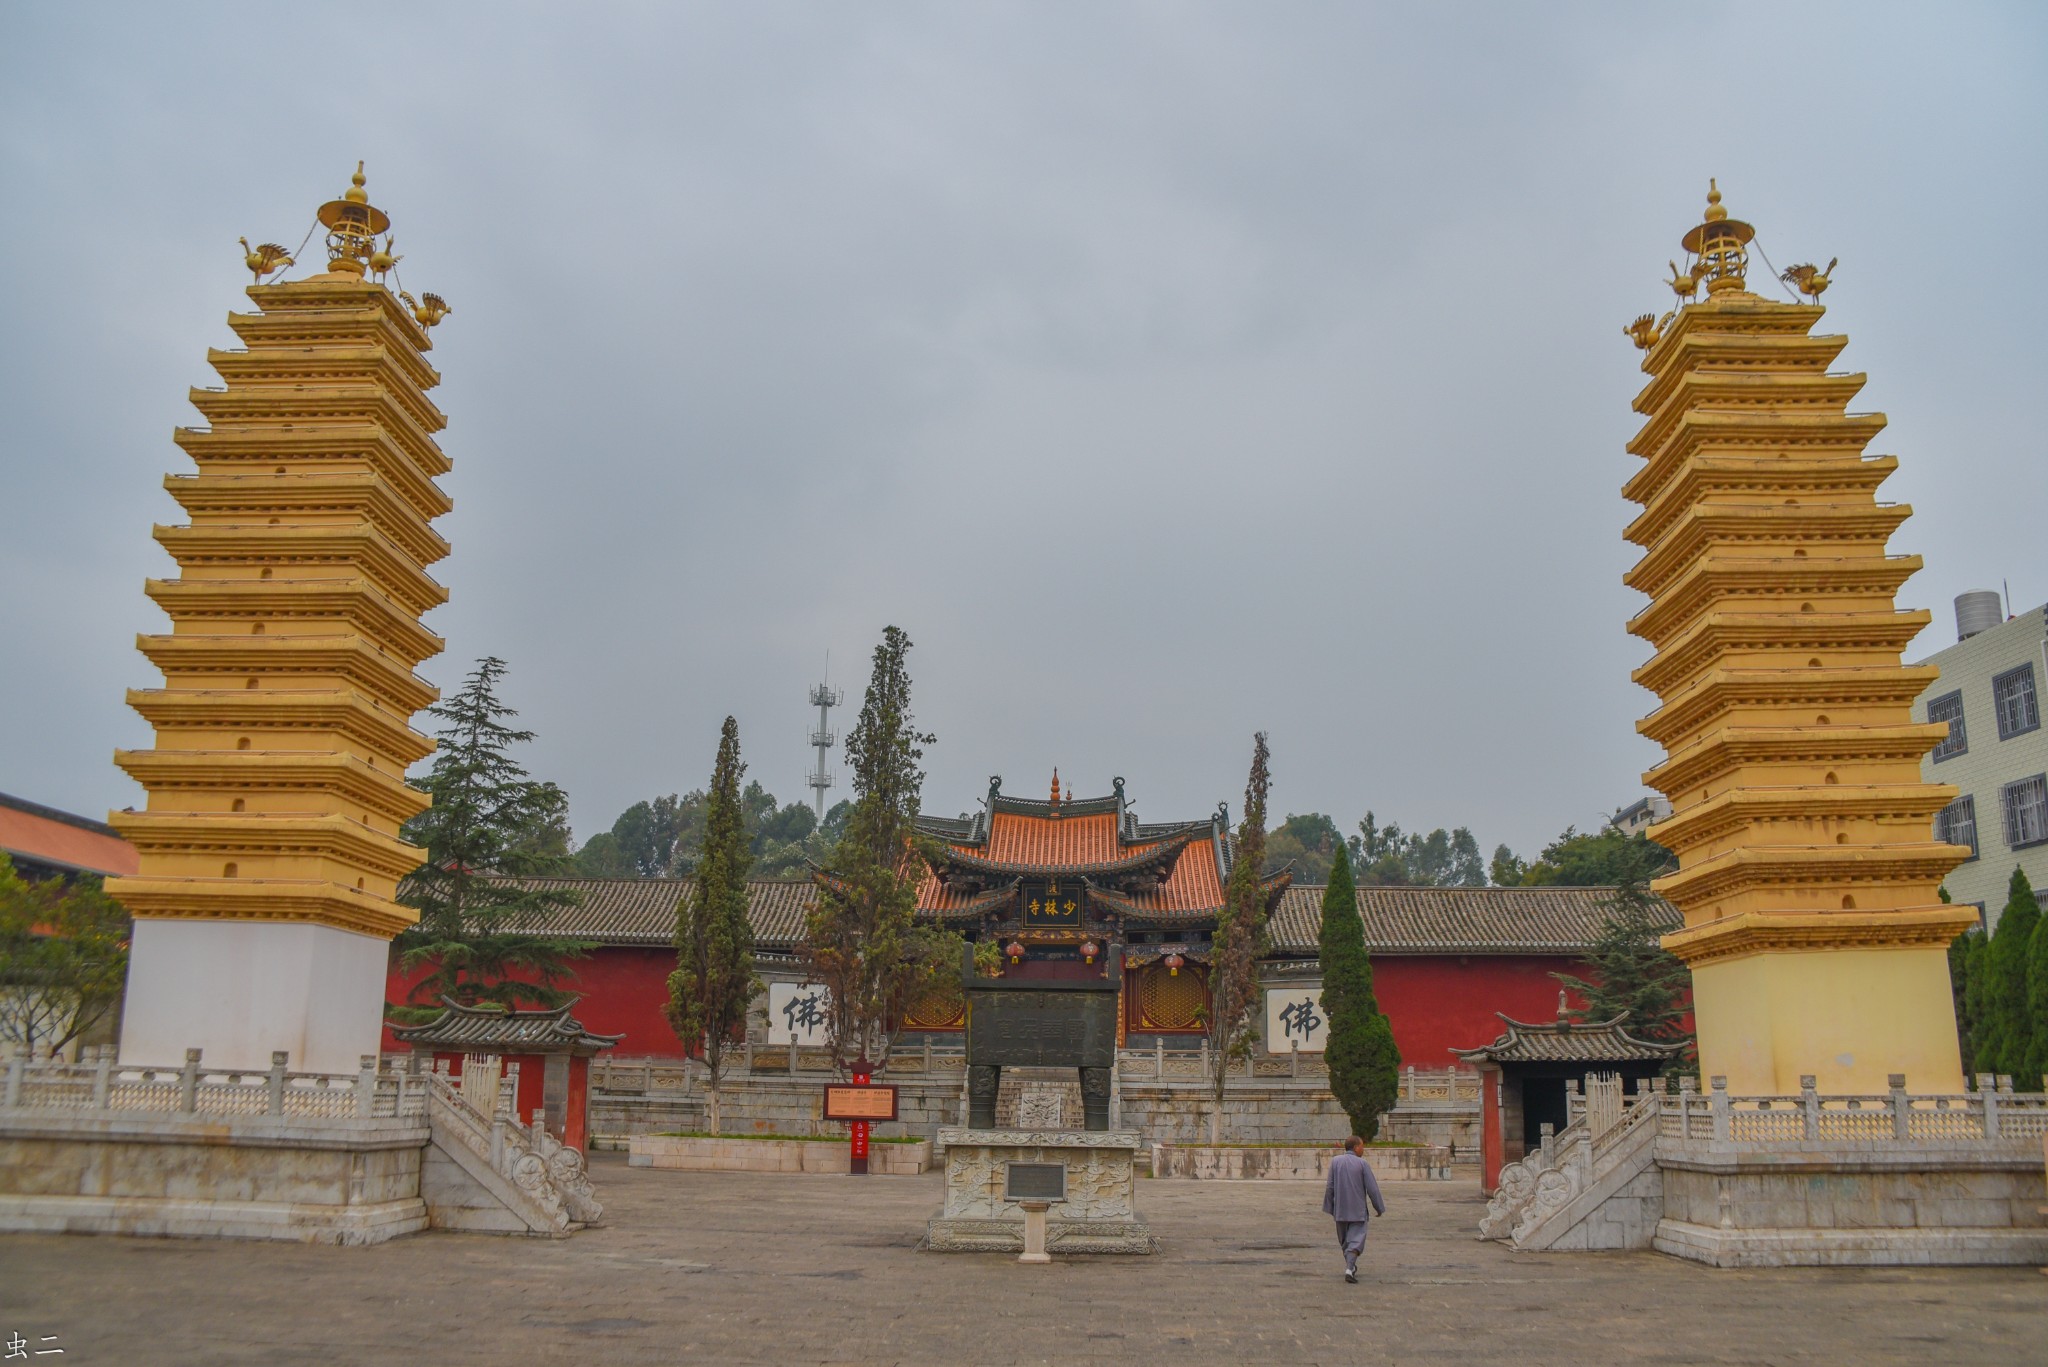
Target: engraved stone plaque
[[1034, 1181]]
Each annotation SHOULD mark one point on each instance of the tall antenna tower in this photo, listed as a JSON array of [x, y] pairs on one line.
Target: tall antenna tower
[[824, 697]]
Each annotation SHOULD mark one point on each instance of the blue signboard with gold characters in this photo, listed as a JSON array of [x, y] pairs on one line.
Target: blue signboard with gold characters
[[1053, 905]]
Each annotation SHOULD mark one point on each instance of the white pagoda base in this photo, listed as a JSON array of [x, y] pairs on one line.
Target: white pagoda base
[[239, 990]]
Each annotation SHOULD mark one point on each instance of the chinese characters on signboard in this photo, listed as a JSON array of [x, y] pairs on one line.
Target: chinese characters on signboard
[[17, 1347], [1053, 905], [1295, 1019], [796, 1014]]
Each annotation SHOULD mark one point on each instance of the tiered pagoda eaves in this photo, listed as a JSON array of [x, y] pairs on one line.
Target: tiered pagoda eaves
[[270, 847], [1808, 875]]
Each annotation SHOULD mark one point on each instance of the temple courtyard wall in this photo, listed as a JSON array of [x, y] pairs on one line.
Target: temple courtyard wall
[[667, 1096]]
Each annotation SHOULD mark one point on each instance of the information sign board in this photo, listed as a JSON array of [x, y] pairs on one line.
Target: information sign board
[[874, 1101]]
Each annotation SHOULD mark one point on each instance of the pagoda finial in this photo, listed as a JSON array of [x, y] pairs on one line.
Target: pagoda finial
[[352, 224], [1719, 242], [1055, 785]]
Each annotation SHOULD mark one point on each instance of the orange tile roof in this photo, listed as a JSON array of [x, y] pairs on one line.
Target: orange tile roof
[[1015, 838], [49, 836], [1066, 842]]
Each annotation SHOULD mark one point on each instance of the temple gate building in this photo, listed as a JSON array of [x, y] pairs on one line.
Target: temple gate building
[[1445, 960]]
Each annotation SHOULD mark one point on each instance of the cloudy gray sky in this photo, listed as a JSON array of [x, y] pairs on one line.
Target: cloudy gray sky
[[1167, 371]]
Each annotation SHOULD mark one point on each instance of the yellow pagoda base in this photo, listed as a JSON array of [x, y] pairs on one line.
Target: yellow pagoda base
[[1847, 999]]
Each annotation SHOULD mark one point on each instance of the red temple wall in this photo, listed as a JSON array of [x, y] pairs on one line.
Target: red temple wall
[[1436, 1002], [624, 990]]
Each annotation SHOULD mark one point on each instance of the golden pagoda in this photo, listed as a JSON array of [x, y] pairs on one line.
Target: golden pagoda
[[1808, 874], [270, 847]]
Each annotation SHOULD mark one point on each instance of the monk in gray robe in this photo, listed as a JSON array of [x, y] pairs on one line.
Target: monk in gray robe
[[1351, 1197]]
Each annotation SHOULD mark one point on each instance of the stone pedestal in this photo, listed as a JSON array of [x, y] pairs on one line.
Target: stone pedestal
[[1097, 1216]]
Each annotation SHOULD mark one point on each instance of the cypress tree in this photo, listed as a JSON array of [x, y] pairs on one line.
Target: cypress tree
[[714, 982], [862, 939], [1363, 1061], [1965, 976], [1240, 939], [2006, 1026], [2037, 1007]]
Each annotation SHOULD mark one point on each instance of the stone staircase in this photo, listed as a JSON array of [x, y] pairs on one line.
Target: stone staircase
[[492, 1175], [1594, 1185]]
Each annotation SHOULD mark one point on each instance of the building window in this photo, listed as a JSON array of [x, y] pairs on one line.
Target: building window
[[1949, 708], [2012, 695], [2026, 811], [1956, 824]]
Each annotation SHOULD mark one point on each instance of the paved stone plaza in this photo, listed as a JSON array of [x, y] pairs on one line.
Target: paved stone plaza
[[788, 1269]]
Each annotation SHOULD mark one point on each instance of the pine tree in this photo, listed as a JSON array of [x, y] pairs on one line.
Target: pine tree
[[1635, 977], [2006, 1027], [862, 941], [714, 983], [1240, 940], [1364, 1064], [490, 828]]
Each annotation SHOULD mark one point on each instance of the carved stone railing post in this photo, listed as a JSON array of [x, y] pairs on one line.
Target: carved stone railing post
[[366, 1086], [1902, 1109], [1408, 1084], [1159, 1056], [17, 1066], [280, 1059], [1987, 1097], [103, 1080], [1717, 1107], [1574, 1104], [1294, 1063], [188, 1083], [1809, 1105]]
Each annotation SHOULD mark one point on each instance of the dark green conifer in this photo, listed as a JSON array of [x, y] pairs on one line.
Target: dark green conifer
[[714, 982], [491, 829], [2006, 1028], [1364, 1063]]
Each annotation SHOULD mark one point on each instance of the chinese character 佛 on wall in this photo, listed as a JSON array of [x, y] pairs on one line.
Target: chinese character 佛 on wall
[[1295, 1020], [796, 1014]]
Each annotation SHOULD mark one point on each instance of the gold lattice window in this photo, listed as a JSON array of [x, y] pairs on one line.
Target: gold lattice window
[[941, 1007], [1171, 1001]]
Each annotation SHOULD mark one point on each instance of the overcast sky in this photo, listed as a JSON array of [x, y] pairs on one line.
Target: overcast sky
[[1168, 372]]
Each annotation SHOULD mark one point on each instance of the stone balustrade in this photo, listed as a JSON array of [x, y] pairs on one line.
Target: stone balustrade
[[100, 1084], [1993, 1113]]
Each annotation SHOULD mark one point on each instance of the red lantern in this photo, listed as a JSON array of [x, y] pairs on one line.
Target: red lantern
[[1089, 949], [1173, 962], [1016, 951]]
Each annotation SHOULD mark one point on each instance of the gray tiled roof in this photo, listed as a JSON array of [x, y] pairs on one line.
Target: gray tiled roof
[[1552, 920], [1568, 1042], [465, 1027], [1549, 920], [642, 911]]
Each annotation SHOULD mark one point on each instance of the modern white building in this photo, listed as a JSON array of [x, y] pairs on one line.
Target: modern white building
[[1996, 752], [1640, 815]]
